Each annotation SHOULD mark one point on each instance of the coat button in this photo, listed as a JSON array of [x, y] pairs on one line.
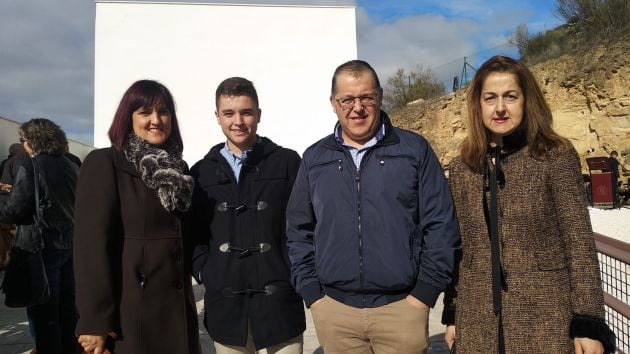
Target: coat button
[[175, 227], [141, 280]]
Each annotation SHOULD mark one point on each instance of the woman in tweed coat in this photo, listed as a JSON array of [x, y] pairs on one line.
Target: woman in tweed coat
[[528, 279]]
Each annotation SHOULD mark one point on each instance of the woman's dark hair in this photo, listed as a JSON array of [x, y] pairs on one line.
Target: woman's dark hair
[[142, 94], [44, 136], [537, 118]]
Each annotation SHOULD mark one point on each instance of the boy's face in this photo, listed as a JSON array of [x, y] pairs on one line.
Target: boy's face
[[238, 117]]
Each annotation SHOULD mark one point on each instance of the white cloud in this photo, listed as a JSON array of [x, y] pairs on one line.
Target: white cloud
[[441, 39], [47, 48], [427, 40], [47, 62]]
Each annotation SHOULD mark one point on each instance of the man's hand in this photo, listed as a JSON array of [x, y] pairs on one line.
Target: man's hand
[[450, 336], [587, 346], [416, 303], [5, 187], [316, 303]]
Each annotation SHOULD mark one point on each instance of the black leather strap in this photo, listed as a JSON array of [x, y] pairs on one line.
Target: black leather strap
[[38, 212]]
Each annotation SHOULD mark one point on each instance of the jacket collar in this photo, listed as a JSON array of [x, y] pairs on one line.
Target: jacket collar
[[123, 164], [390, 137], [263, 147]]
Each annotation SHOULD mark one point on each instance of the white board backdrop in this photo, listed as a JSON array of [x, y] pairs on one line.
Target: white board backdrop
[[289, 52]]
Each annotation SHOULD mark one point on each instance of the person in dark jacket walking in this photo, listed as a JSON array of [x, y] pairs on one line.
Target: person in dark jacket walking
[[371, 228], [52, 322], [241, 191], [16, 152], [9, 171], [132, 249]]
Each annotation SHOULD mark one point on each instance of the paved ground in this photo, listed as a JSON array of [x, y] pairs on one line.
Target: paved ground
[[15, 337]]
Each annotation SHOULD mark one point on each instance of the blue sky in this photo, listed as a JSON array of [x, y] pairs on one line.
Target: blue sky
[[476, 10], [439, 34], [47, 47]]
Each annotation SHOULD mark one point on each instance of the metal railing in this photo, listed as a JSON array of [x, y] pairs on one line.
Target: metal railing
[[614, 265]]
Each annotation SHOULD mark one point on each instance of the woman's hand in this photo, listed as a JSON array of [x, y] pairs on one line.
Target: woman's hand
[[450, 336], [95, 344], [5, 187], [588, 346]]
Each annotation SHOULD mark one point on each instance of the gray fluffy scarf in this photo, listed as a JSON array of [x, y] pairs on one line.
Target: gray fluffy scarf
[[161, 168]]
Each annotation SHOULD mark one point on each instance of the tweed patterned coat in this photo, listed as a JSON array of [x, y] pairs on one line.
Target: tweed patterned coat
[[547, 251]]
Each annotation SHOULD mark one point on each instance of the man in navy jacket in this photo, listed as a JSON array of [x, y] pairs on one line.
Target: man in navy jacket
[[371, 228]]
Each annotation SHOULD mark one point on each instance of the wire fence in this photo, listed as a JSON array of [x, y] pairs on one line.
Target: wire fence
[[458, 73], [614, 264]]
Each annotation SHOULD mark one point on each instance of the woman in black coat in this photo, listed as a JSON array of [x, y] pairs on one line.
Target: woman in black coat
[[132, 253], [52, 322]]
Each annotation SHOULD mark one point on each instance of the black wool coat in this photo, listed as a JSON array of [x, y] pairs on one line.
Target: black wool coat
[[131, 261], [246, 285]]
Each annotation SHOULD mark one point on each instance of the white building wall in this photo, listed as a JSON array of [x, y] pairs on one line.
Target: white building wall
[[8, 135], [289, 52]]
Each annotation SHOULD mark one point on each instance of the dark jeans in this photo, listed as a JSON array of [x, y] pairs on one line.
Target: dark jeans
[[54, 321]]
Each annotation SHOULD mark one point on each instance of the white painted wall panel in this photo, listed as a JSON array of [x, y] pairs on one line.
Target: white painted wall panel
[[289, 52]]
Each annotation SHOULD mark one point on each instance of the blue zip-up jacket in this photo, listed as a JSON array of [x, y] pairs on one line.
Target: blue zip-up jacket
[[371, 236]]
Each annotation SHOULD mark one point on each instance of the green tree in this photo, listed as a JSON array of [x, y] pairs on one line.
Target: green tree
[[419, 83]]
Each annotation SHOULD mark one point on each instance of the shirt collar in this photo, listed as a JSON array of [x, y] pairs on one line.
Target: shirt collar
[[380, 134], [244, 154]]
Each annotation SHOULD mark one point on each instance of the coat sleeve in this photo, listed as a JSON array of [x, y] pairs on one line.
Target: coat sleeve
[[20, 204], [300, 230], [200, 215], [293, 167], [587, 299], [440, 231], [450, 294], [97, 252]]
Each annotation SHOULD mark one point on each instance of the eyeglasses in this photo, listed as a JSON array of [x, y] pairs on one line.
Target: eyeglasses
[[366, 101]]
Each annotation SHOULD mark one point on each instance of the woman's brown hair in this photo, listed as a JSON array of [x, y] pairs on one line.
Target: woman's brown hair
[[537, 118], [44, 136]]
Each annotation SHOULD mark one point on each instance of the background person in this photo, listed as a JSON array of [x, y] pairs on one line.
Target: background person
[[132, 250], [14, 150], [243, 186], [9, 171], [614, 169], [371, 229], [529, 277], [52, 322], [10, 166]]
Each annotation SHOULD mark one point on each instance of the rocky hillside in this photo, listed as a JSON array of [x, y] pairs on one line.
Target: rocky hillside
[[588, 92]]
